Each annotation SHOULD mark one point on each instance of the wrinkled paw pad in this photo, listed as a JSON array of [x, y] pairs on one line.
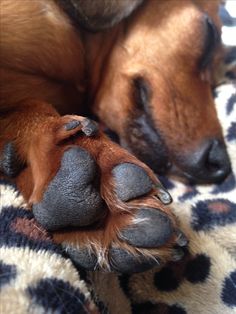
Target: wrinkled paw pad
[[152, 229], [72, 198], [10, 164], [124, 262], [131, 181], [119, 260], [82, 257]]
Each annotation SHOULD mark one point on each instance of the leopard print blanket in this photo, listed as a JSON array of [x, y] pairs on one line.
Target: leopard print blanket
[[36, 276]]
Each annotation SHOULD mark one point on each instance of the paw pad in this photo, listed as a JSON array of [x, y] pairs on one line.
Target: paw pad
[[82, 257], [124, 262], [71, 198], [131, 181], [152, 228]]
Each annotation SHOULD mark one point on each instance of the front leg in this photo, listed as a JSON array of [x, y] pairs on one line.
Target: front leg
[[103, 205]]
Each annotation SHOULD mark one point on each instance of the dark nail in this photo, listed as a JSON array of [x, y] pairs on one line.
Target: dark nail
[[181, 239], [164, 196], [90, 127], [72, 125], [177, 254]]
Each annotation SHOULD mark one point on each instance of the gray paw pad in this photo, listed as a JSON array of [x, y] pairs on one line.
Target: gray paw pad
[[131, 181], [124, 262], [153, 229], [82, 257], [71, 199]]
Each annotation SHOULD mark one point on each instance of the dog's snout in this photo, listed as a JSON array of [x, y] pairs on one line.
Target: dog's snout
[[210, 164]]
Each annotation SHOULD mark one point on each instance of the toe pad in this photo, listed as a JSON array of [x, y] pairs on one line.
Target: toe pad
[[124, 262], [82, 257], [131, 181], [151, 229]]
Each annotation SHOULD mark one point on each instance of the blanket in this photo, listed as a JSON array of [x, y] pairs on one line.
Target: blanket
[[36, 275]]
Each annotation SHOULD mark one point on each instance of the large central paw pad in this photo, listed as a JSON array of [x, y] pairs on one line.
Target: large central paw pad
[[72, 198]]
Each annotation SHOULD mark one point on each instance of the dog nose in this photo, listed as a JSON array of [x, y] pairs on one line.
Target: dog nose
[[210, 164]]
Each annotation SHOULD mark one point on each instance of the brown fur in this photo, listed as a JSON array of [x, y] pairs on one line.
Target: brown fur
[[46, 60], [171, 48]]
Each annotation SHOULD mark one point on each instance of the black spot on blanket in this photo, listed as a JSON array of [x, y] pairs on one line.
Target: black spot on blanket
[[159, 308], [165, 280], [198, 269], [230, 104], [57, 296], [214, 212], [189, 193], [231, 134], [229, 290], [124, 284], [7, 273], [176, 309], [12, 237], [226, 186]]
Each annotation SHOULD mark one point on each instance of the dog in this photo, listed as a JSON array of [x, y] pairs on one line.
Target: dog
[[145, 69]]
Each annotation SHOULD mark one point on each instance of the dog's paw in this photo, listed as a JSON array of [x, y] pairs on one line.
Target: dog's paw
[[104, 206]]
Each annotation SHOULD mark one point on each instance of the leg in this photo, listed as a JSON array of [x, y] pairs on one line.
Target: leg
[[100, 202]]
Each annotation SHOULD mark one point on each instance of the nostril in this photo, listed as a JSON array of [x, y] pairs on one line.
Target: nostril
[[209, 164], [217, 153], [214, 157], [217, 164]]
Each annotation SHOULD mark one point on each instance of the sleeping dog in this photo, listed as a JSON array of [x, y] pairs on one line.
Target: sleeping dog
[[145, 69]]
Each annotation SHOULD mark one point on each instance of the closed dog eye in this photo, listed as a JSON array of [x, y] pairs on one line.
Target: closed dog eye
[[211, 41], [141, 93]]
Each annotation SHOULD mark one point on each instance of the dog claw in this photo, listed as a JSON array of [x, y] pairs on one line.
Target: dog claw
[[90, 127], [72, 125], [164, 196], [181, 239], [177, 254]]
